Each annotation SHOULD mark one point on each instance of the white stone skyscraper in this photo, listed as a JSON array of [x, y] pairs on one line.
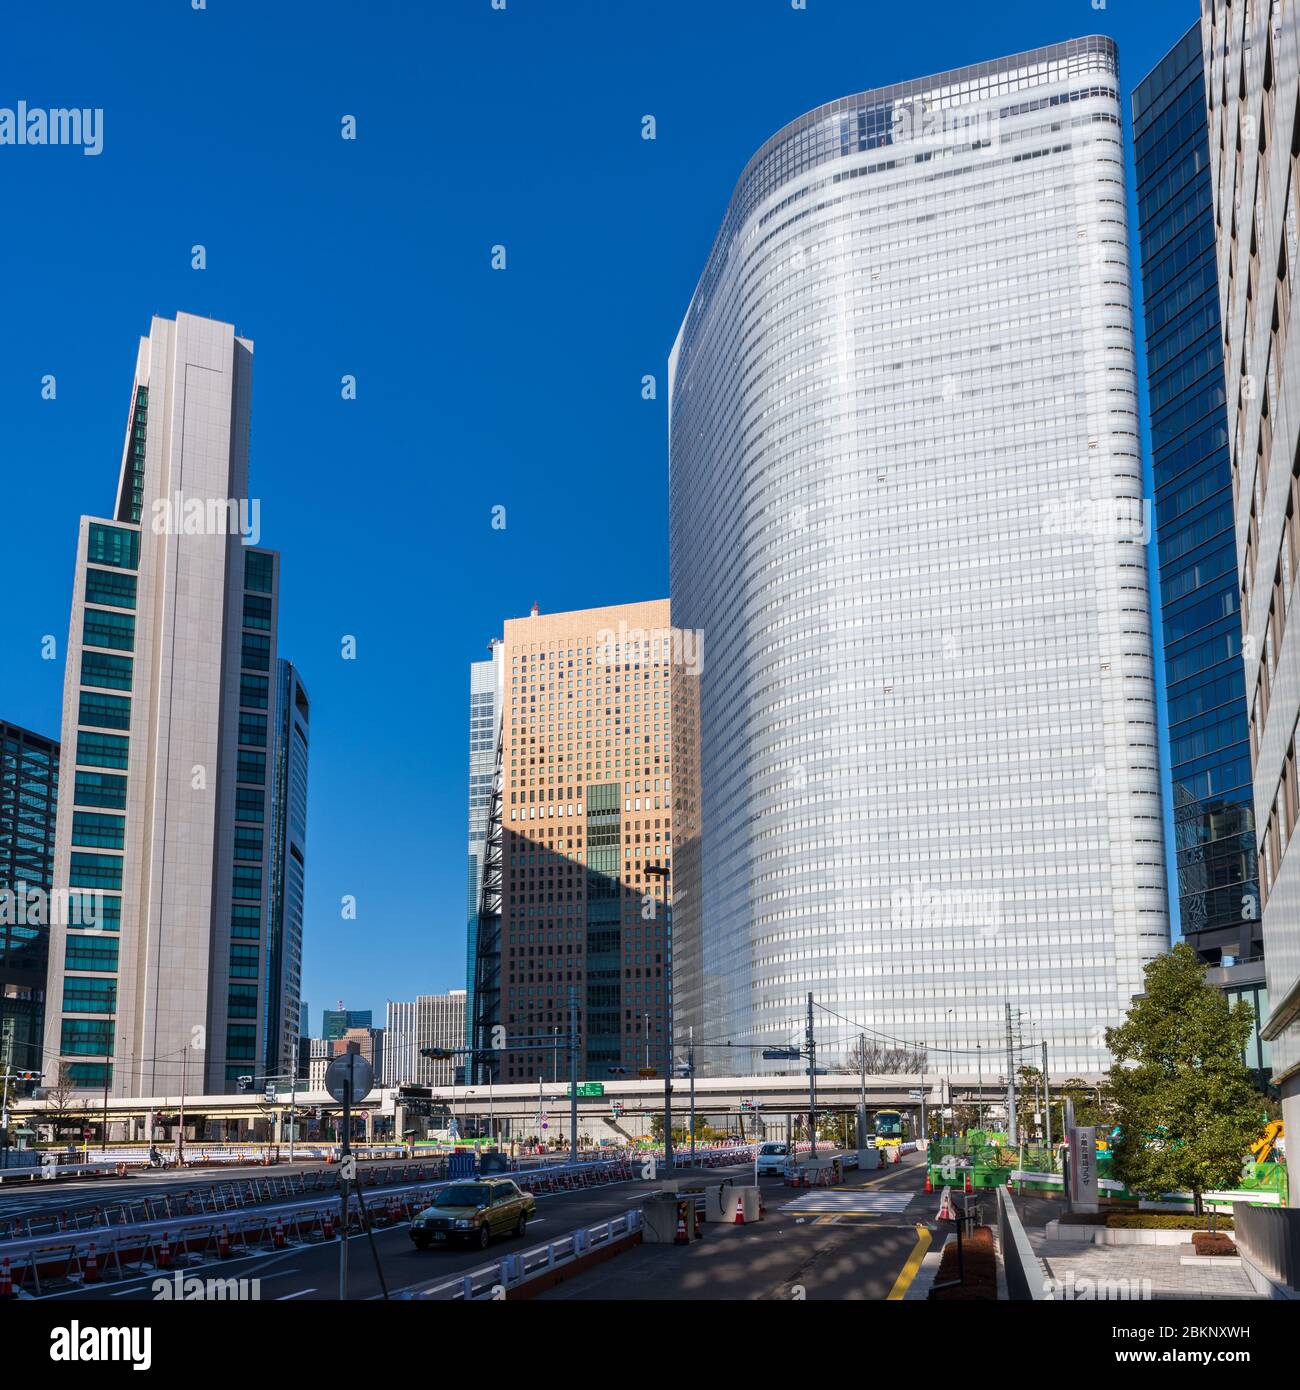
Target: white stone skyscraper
[[906, 517], [166, 810]]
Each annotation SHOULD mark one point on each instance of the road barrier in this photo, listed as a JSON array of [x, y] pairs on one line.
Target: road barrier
[[1024, 1275], [529, 1272], [131, 1246]]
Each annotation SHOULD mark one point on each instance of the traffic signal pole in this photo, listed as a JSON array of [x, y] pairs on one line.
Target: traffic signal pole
[[812, 1081]]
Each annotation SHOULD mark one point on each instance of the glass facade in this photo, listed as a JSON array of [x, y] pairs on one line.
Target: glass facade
[[29, 790], [484, 732], [1214, 834], [288, 866], [904, 394]]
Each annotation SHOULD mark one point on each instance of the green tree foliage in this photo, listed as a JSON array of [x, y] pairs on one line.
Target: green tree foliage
[[1185, 1102]]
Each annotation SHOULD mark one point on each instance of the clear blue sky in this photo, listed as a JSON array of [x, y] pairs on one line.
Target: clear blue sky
[[476, 388]]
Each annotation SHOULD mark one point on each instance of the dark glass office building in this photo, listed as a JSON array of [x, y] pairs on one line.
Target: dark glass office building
[[29, 787], [1214, 837], [336, 1022]]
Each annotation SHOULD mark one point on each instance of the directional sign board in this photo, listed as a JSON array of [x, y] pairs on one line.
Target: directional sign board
[[353, 1067]]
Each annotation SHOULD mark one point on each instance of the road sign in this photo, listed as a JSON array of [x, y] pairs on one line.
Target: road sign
[[647, 1071], [353, 1067], [780, 1054]]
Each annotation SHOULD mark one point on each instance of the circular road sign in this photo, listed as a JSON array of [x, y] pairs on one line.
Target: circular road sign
[[353, 1067]]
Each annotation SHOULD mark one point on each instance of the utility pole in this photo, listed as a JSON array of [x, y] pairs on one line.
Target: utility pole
[[1013, 1129], [293, 1099], [862, 1090], [979, 1062], [573, 1075], [690, 1063], [108, 1065], [180, 1131], [1047, 1105], [812, 1080]]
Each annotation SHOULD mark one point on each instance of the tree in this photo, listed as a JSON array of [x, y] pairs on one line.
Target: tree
[[1185, 1102], [881, 1060], [57, 1111]]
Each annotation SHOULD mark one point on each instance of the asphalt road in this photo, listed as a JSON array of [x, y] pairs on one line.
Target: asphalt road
[[824, 1244], [840, 1255], [312, 1271]]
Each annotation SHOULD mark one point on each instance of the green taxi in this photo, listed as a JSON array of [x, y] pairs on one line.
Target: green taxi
[[472, 1212]]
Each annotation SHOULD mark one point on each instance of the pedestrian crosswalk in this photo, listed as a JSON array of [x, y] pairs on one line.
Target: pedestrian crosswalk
[[849, 1202]]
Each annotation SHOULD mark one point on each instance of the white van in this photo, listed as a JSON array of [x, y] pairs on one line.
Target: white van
[[772, 1157]]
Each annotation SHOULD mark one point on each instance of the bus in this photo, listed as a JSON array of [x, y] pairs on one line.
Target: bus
[[889, 1128]]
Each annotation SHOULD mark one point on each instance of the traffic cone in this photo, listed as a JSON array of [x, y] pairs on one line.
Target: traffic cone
[[164, 1253], [680, 1237], [90, 1275], [740, 1212], [929, 1185], [6, 1281], [277, 1236], [327, 1226], [970, 1186], [223, 1244]]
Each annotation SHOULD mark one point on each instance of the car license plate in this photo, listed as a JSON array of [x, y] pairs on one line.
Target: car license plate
[[440, 1235]]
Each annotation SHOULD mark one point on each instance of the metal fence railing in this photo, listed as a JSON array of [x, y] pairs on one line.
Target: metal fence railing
[[1269, 1237]]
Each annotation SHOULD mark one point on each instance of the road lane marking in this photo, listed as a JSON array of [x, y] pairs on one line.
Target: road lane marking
[[912, 1265]]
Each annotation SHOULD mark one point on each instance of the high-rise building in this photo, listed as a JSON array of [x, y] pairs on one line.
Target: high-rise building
[[429, 1020], [1252, 69], [320, 1055], [290, 735], [1213, 812], [367, 1042], [904, 393], [29, 789], [585, 845], [336, 1022], [167, 697], [485, 691]]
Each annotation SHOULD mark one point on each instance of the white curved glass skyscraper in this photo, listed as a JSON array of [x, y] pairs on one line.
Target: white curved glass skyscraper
[[906, 514]]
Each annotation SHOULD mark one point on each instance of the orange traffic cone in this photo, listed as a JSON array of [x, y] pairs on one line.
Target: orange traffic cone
[[929, 1185], [277, 1236], [740, 1211], [223, 1244], [680, 1237], [91, 1273], [327, 1226], [6, 1281], [165, 1253], [970, 1186]]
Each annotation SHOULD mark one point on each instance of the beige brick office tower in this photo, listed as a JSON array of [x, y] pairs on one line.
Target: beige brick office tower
[[585, 824]]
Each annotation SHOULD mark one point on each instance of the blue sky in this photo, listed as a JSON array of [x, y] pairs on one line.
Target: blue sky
[[476, 388]]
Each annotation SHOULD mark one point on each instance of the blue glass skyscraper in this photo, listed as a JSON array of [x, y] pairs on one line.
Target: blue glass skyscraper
[[1214, 836]]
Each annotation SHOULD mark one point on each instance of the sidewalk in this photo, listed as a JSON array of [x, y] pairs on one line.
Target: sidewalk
[[1125, 1272], [794, 1253]]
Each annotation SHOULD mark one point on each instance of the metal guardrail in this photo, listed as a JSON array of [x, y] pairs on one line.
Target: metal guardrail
[[1269, 1237], [1025, 1279], [512, 1271]]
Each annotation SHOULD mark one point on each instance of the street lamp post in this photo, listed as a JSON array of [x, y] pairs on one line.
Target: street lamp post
[[952, 1109]]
